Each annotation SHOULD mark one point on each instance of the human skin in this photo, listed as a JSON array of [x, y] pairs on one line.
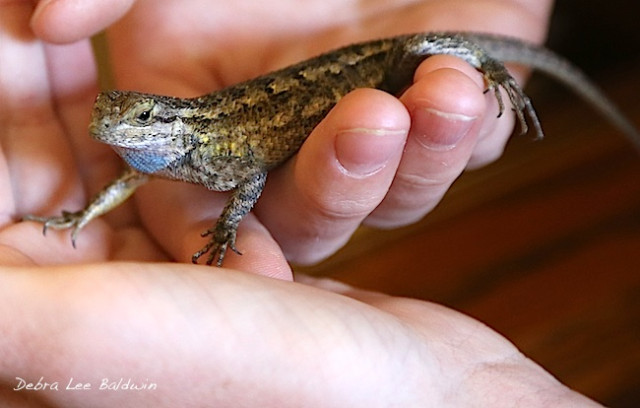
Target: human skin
[[222, 337]]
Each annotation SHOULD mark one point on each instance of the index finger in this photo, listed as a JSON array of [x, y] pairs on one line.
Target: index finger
[[65, 21]]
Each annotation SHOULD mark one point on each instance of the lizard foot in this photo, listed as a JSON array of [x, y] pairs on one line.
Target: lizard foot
[[75, 220], [498, 77], [221, 239]]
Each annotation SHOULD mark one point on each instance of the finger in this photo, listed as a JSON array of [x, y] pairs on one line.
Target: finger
[[65, 21], [496, 129], [447, 107], [39, 99], [314, 203], [36, 156]]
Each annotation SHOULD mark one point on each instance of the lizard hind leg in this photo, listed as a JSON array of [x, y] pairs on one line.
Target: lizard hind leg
[[498, 78]]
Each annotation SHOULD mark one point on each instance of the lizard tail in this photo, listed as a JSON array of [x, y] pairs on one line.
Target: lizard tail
[[558, 68]]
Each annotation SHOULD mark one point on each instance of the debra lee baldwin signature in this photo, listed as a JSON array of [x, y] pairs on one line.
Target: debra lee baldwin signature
[[105, 384]]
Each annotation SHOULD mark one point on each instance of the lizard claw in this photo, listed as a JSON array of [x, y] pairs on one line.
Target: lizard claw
[[221, 239], [75, 220], [498, 77], [495, 88]]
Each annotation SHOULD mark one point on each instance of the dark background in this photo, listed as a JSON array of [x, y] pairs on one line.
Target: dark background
[[597, 35]]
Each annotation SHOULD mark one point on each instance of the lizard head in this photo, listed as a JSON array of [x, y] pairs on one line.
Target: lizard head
[[146, 130]]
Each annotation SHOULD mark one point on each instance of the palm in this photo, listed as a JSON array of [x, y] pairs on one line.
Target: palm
[[232, 339]]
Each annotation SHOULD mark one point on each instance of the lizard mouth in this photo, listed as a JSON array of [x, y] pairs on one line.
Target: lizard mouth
[[103, 132], [95, 131]]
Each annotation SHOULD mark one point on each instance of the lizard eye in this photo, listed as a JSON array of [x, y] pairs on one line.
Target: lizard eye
[[144, 116], [142, 113]]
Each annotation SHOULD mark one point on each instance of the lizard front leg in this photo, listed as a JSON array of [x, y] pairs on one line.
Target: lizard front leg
[[106, 200], [223, 233]]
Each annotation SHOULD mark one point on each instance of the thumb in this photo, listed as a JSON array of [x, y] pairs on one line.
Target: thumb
[[65, 21]]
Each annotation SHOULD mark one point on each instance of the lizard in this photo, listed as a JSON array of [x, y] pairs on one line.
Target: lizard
[[228, 140]]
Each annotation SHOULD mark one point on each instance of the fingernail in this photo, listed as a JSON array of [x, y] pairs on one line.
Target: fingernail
[[363, 152], [445, 129]]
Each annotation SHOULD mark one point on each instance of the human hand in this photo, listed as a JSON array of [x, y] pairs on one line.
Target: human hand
[[375, 159], [75, 320], [241, 340]]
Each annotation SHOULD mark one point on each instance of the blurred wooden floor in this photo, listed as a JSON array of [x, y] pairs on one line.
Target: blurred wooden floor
[[544, 246]]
